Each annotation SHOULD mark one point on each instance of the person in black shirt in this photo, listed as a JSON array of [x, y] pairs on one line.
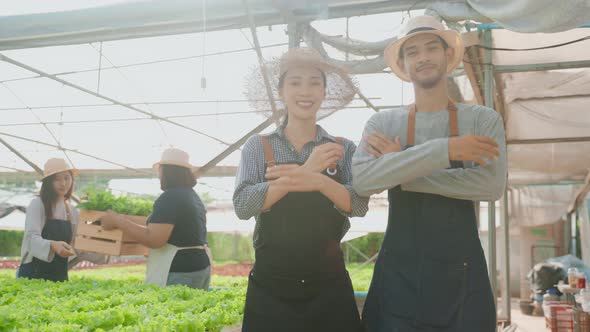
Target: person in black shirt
[[176, 230]]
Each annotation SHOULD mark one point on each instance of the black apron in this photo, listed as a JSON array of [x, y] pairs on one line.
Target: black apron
[[57, 269], [299, 281], [431, 272]]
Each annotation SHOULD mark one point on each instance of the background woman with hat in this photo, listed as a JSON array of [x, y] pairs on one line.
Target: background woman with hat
[[176, 230], [49, 225], [297, 183]]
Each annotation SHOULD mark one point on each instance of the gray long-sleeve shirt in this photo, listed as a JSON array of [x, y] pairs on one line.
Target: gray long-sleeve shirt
[[423, 168]]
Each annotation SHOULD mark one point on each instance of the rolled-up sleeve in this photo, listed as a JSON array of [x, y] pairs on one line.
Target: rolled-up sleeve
[[359, 205], [251, 186], [34, 221]]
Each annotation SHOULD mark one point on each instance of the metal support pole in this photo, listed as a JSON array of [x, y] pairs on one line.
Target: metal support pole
[[21, 156], [574, 231], [103, 97], [489, 102], [236, 246], [567, 234], [261, 61], [492, 246], [506, 255], [293, 33]]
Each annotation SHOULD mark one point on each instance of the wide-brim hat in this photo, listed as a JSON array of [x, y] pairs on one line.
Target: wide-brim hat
[[340, 85], [176, 157], [424, 25], [57, 165]]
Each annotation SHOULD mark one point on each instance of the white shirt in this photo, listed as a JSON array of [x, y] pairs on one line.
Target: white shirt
[[33, 244]]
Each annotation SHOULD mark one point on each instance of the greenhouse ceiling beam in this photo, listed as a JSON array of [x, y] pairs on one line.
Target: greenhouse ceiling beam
[[145, 63], [92, 174], [137, 19], [236, 145], [292, 19], [366, 100], [261, 62], [101, 96], [548, 140], [473, 70], [581, 195], [542, 184], [542, 66], [34, 166], [381, 107], [15, 169], [66, 149], [230, 149], [211, 101], [500, 98]]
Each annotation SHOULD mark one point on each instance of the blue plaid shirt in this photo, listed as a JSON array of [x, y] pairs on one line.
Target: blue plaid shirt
[[251, 185]]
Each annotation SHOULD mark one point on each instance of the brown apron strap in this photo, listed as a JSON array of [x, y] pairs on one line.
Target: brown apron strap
[[453, 122], [268, 155], [411, 126]]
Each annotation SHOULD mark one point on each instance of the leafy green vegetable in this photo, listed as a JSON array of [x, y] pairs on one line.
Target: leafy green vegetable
[[114, 305], [116, 299], [104, 200]]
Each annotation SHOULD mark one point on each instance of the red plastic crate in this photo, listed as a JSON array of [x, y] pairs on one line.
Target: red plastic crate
[[562, 318]]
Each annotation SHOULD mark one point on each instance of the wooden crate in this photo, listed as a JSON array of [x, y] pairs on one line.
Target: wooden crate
[[114, 242]]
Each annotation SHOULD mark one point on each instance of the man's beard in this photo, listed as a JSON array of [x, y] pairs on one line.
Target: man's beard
[[432, 82], [429, 83]]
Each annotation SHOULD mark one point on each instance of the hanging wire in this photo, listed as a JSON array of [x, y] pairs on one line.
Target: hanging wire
[[99, 68], [346, 55], [216, 101], [61, 119], [171, 117], [41, 122], [69, 150], [137, 90], [203, 78], [147, 62]]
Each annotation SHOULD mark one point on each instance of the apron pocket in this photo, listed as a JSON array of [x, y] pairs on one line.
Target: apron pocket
[[399, 285], [442, 292], [258, 299]]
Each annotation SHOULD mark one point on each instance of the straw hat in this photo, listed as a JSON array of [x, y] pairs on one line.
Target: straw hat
[[175, 157], [57, 165], [340, 86], [424, 25]]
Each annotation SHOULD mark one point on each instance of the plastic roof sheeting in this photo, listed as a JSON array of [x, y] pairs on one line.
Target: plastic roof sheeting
[[550, 104]]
